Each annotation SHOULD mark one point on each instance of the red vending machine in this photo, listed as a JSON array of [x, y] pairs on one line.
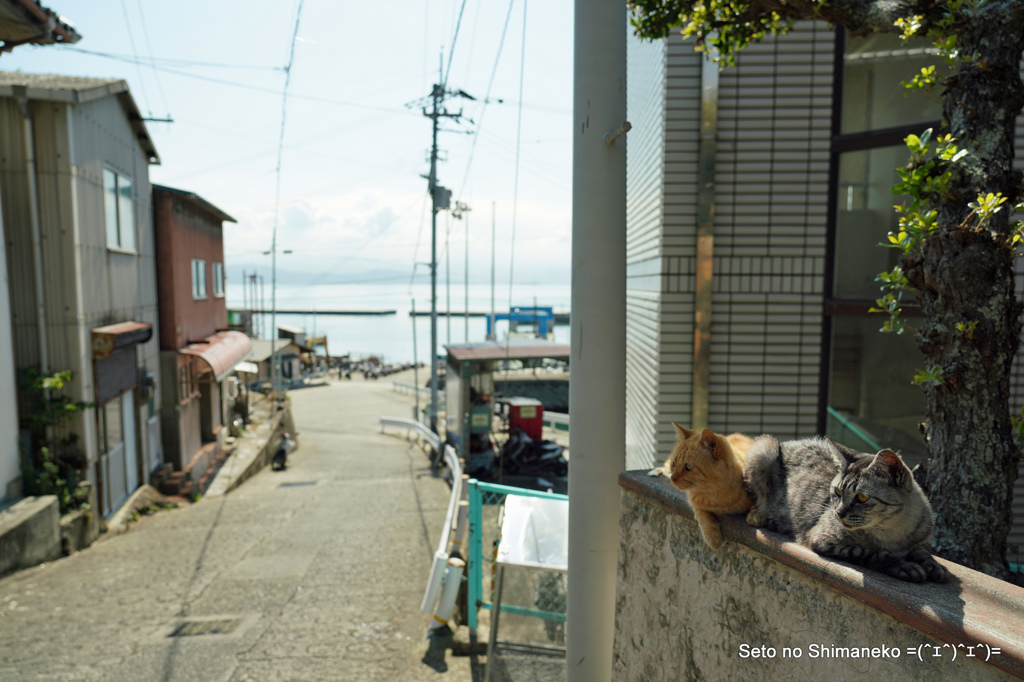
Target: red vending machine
[[527, 414]]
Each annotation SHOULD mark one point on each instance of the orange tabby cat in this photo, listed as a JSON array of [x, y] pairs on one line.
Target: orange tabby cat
[[709, 469]]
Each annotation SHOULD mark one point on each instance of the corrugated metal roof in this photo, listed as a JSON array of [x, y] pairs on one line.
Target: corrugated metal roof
[[197, 201], [27, 21], [221, 352], [75, 90], [261, 348], [514, 349]]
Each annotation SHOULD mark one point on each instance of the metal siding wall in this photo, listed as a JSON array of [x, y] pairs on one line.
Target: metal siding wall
[[645, 170], [116, 287], [18, 233], [771, 188]]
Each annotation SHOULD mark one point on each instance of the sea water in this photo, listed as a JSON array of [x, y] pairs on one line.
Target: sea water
[[390, 337]]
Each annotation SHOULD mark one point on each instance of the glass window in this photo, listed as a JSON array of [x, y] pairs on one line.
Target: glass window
[[218, 280], [873, 68], [864, 218], [126, 213], [119, 211], [110, 207], [112, 422], [873, 402], [198, 279]]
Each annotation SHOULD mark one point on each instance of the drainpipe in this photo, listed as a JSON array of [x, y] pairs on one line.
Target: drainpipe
[[20, 94], [597, 391], [705, 241]]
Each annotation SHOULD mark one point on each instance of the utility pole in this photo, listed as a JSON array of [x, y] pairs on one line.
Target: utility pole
[[440, 200]]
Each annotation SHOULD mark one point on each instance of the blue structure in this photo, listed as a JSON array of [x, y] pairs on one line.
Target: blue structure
[[543, 319]]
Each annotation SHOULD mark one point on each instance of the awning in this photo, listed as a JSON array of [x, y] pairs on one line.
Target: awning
[[105, 340], [247, 368], [222, 351]]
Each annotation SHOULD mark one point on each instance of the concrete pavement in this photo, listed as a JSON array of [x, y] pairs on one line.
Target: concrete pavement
[[313, 573]]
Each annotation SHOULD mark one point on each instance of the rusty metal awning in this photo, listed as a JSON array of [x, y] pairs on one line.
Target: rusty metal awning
[[105, 340], [221, 352]]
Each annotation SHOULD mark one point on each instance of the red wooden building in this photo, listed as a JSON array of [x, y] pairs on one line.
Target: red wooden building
[[197, 351]]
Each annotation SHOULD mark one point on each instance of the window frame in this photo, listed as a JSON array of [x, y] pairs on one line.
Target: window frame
[[833, 306], [200, 291], [121, 225], [218, 279]]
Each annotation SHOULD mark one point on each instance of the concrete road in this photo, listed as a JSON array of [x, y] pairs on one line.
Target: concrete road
[[313, 573]]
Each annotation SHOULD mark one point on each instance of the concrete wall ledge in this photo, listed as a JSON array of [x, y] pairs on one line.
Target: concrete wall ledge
[[755, 591], [29, 533]]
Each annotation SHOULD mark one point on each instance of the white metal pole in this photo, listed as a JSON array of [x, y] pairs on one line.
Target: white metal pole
[[466, 304], [597, 392], [415, 364], [493, 335], [449, 593]]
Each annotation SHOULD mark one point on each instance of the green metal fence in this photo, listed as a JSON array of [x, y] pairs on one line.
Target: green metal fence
[[485, 500]]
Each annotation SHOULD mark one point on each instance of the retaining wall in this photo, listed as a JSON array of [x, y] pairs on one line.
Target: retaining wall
[[764, 608]]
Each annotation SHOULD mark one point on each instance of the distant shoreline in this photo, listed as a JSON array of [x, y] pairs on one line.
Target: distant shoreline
[[560, 318]]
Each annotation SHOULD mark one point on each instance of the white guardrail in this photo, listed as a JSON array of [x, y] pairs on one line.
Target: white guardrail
[[446, 570], [555, 419]]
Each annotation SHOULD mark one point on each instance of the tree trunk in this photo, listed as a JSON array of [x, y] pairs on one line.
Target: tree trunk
[[964, 275]]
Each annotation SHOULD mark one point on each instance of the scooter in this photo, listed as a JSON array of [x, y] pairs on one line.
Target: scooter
[[523, 455], [285, 446]]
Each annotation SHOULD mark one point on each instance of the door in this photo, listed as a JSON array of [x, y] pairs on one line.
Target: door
[[131, 460]]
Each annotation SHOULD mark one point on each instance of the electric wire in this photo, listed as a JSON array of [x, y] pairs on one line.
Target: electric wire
[[515, 195], [131, 41], [149, 49], [487, 97], [183, 63], [451, 50], [256, 88], [277, 189]]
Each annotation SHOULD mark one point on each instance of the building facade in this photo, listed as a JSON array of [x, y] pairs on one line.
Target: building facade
[[197, 351], [757, 197], [74, 177]]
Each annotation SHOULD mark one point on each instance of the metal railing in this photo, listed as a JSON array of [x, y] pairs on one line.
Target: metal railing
[[556, 420], [446, 570], [485, 500]]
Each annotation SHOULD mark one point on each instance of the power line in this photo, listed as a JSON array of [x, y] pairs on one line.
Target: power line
[[256, 88], [131, 41], [149, 48], [277, 191], [451, 51], [168, 60], [487, 97], [515, 184]]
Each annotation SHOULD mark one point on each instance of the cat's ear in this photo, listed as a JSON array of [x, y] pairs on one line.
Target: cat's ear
[[710, 441], [849, 455], [897, 470], [681, 432]]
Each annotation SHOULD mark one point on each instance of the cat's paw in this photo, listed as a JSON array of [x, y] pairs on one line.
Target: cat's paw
[[907, 570], [854, 553], [713, 538], [922, 555], [937, 573], [755, 518]]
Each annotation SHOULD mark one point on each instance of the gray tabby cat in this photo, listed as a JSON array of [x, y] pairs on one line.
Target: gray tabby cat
[[861, 508]]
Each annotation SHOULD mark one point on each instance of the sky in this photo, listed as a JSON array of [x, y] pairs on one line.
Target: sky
[[353, 205]]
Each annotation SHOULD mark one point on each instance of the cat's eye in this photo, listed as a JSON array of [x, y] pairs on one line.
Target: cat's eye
[[836, 491], [689, 466], [861, 497]]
